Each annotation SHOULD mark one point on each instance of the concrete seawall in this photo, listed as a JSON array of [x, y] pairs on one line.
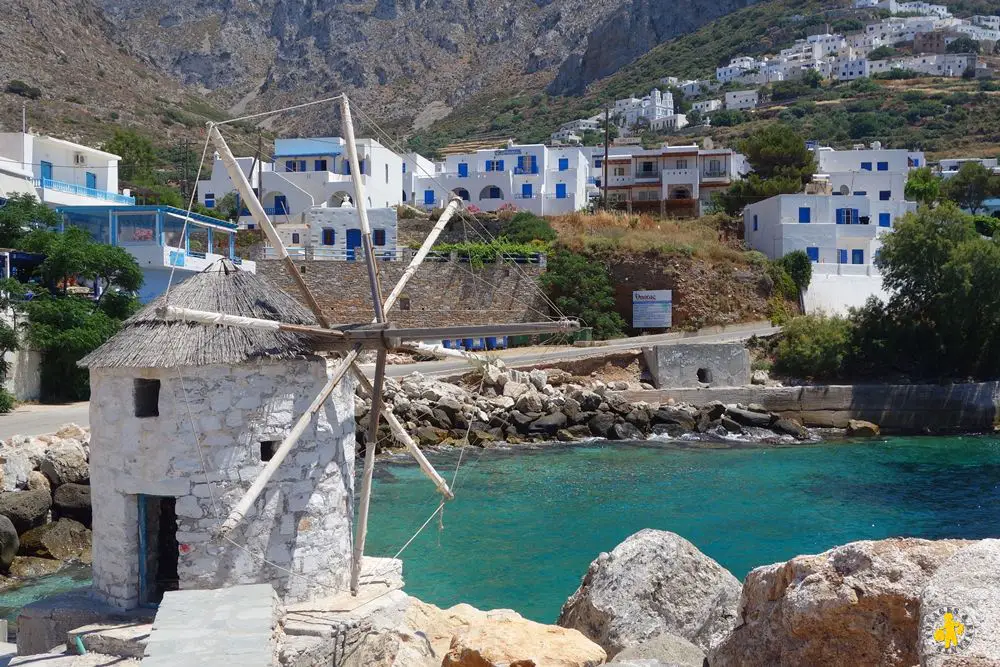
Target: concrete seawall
[[895, 408]]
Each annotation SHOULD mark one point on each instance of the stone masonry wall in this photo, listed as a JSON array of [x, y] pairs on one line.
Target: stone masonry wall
[[302, 522], [440, 294]]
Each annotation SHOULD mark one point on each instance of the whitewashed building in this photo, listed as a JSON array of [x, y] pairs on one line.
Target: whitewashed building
[[736, 68], [706, 106], [742, 99], [415, 166], [315, 171], [572, 132], [991, 22], [948, 167], [62, 173], [183, 417], [532, 177], [326, 233]]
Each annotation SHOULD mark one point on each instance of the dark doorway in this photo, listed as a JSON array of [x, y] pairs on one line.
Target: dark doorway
[[158, 548]]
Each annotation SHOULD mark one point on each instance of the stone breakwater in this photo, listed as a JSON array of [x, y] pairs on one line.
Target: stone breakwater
[[45, 512], [500, 405]]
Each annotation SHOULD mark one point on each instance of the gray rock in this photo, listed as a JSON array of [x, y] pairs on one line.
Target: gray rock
[[441, 419], [969, 582], [601, 423], [538, 378], [624, 431], [862, 429], [759, 377], [480, 438], [65, 462], [588, 400], [757, 407], [529, 402], [25, 509], [451, 406], [16, 466], [429, 436], [639, 417], [515, 389], [37, 480], [731, 425], [549, 424], [73, 502], [9, 544], [558, 377], [750, 418], [672, 415], [671, 430], [63, 540], [618, 404], [665, 648], [571, 408], [521, 421], [714, 410], [790, 427], [653, 582]]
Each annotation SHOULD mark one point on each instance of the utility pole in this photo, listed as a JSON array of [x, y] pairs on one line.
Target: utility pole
[[184, 162], [607, 135], [24, 117]]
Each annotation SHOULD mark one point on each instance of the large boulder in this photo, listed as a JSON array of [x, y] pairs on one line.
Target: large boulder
[[671, 415], [9, 544], [548, 424], [862, 429], [506, 638], [967, 586], [653, 582], [26, 509], [73, 502], [65, 462], [749, 417], [15, 467], [666, 649], [63, 540], [857, 604]]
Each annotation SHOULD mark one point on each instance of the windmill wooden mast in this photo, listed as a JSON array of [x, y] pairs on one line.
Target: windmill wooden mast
[[349, 340]]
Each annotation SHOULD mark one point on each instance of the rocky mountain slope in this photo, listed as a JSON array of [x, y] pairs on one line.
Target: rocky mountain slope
[[408, 62]]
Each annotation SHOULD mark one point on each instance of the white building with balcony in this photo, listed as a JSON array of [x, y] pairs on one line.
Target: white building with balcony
[[533, 177], [706, 106], [737, 67], [334, 234], [671, 180], [872, 172], [991, 22], [63, 173], [316, 171], [572, 132], [947, 168], [158, 239], [742, 99]]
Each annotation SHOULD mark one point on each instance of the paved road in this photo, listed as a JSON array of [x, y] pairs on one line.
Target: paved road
[[528, 355], [39, 419]]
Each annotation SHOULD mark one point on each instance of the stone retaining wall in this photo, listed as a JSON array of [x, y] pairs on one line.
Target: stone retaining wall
[[895, 408]]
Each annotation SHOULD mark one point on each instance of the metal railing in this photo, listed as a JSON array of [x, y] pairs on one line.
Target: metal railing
[[715, 173], [390, 255], [521, 171], [70, 188], [521, 195]]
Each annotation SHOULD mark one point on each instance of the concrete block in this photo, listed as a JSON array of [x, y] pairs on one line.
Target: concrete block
[[42, 625], [124, 640], [698, 365]]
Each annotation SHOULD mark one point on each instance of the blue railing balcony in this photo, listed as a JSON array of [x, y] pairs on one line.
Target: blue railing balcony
[[70, 188], [522, 171], [522, 195]]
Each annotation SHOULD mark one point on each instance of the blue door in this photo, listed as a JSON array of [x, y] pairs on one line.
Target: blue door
[[463, 170], [841, 256], [884, 220], [526, 191], [91, 180], [353, 241], [280, 205], [428, 197], [560, 191], [47, 170], [857, 257], [563, 163], [813, 254]]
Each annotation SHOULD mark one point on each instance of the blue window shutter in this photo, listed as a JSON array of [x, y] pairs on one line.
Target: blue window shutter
[[854, 217], [857, 257], [885, 195], [884, 220], [563, 163], [289, 165], [404, 167], [804, 214], [92, 180], [840, 216], [500, 165], [883, 166], [841, 256], [813, 254], [463, 169], [560, 191], [755, 222], [866, 166]]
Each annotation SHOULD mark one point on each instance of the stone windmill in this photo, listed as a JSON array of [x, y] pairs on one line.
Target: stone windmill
[[344, 342]]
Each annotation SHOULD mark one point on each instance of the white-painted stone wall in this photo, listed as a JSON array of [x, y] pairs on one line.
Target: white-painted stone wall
[[303, 520]]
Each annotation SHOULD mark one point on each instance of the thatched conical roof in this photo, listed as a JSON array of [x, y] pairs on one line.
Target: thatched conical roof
[[147, 341]]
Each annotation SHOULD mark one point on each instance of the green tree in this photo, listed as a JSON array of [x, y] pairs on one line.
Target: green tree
[[751, 190], [813, 347], [799, 267], [112, 267], [22, 213], [581, 287], [777, 151], [923, 186], [971, 186], [883, 53], [812, 78], [694, 117], [138, 157], [963, 45]]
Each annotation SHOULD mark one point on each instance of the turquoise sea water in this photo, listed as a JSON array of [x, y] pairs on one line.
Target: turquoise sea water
[[525, 525]]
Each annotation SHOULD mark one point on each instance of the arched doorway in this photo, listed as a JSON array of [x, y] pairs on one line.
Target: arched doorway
[[462, 194], [491, 192], [276, 203], [338, 199]]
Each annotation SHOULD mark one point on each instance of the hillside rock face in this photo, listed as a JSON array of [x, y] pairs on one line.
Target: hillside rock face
[[398, 57], [653, 582], [858, 604]]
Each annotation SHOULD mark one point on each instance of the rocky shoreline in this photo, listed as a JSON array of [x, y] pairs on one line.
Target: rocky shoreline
[[500, 406]]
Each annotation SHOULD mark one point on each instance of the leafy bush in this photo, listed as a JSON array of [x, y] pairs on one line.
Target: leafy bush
[[784, 286], [7, 401], [18, 87], [883, 53], [479, 253], [986, 225], [406, 213], [814, 347], [526, 227], [581, 287], [761, 365], [799, 267], [777, 310]]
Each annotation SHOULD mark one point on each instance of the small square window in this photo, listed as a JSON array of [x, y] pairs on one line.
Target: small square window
[[267, 449], [146, 395], [404, 303], [885, 195], [378, 237], [295, 237]]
